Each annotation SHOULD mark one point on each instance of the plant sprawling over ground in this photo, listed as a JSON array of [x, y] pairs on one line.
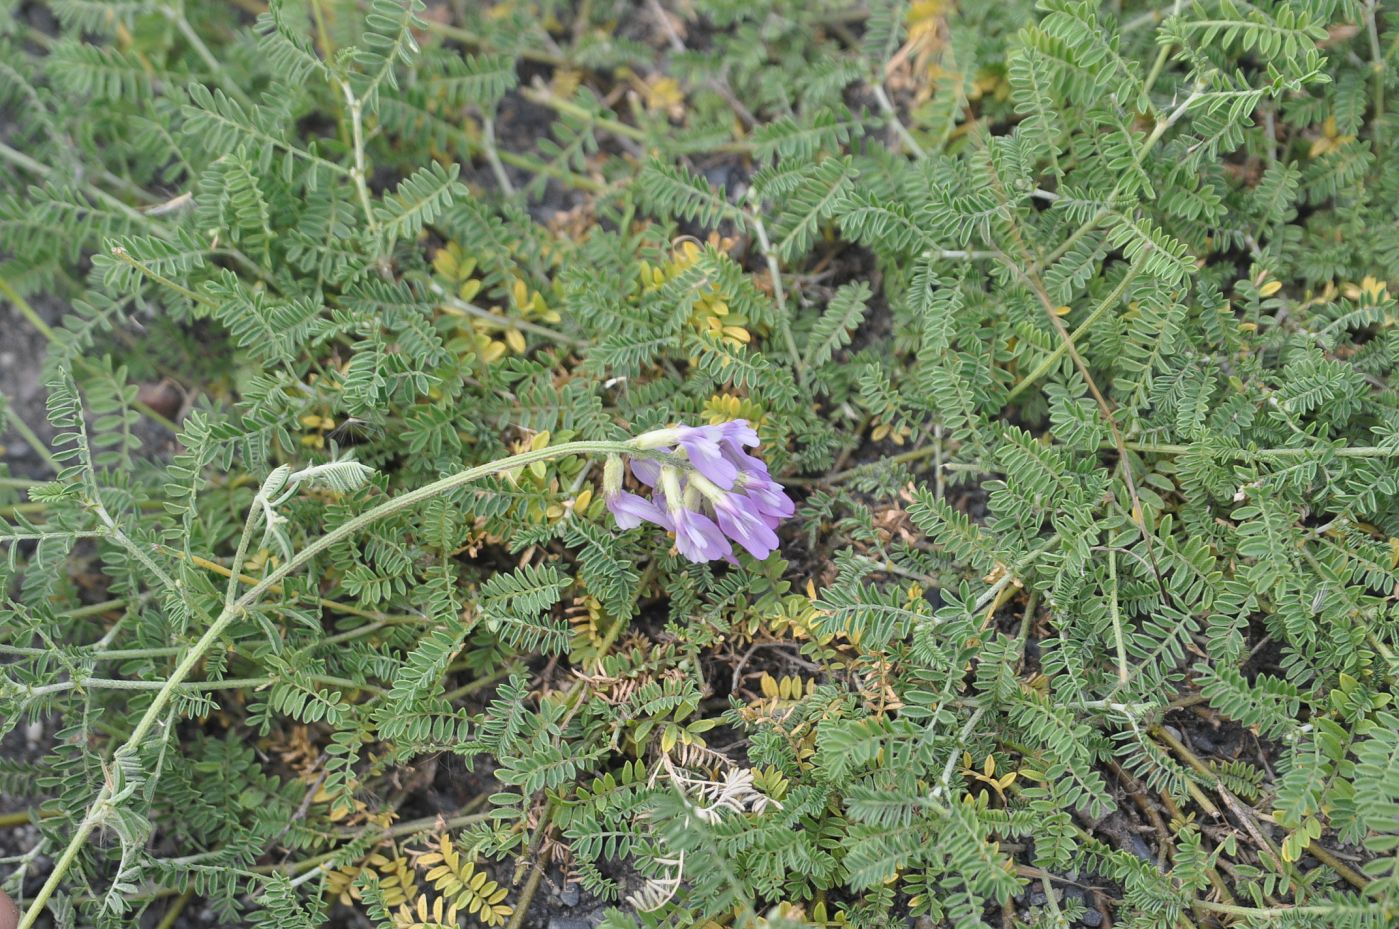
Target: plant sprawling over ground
[[1068, 328]]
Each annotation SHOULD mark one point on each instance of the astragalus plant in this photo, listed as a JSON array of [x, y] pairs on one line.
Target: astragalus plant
[[703, 463]]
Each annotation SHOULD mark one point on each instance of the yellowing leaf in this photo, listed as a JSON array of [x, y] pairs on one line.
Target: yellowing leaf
[[664, 95], [444, 262], [492, 351]]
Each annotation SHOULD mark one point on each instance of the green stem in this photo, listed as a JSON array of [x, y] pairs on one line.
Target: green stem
[[908, 457], [1269, 913], [95, 609], [1162, 125], [165, 651], [122, 255], [98, 810], [493, 156], [466, 37], [481, 683], [31, 438], [173, 913], [25, 310], [1119, 643], [235, 573], [162, 651], [215, 67], [500, 322], [1248, 454], [887, 105], [333, 605], [569, 108], [1049, 362], [1161, 57], [563, 176], [24, 161], [23, 509], [526, 896], [1377, 68], [232, 683], [928, 451], [784, 322], [359, 173], [44, 171]]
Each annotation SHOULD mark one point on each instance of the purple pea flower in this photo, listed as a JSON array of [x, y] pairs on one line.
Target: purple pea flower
[[698, 538], [739, 517], [696, 535], [711, 449], [767, 496], [631, 511], [725, 495], [647, 472]]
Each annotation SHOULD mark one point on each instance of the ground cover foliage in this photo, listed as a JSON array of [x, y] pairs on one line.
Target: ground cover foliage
[[1069, 327]]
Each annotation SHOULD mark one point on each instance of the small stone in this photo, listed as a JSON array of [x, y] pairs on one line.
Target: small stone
[[1092, 919], [719, 175], [569, 895], [569, 922], [1140, 848]]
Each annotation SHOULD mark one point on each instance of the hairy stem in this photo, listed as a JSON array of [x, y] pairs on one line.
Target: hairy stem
[[784, 321], [1052, 359], [99, 809], [1377, 69], [359, 173], [1256, 454], [887, 105]]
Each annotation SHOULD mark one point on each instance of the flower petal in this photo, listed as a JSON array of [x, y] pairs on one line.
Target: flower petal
[[631, 511], [738, 433], [768, 496], [746, 463], [741, 521], [647, 471], [706, 453], [697, 537]]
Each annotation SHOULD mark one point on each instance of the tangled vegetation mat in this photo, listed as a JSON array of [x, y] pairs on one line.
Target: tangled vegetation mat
[[1028, 558]]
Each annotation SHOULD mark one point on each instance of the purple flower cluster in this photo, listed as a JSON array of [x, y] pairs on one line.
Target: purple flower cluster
[[707, 490]]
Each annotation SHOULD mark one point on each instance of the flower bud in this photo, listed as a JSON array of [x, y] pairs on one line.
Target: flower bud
[[658, 438], [612, 476], [670, 486]]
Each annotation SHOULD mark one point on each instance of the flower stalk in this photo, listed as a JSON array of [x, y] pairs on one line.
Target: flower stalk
[[101, 807]]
